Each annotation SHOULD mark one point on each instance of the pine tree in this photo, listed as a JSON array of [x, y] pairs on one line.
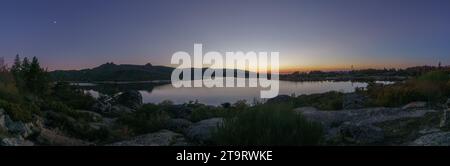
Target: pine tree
[[25, 67], [15, 69], [2, 64], [36, 78]]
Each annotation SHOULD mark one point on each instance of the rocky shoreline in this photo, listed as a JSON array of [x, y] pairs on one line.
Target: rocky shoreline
[[381, 126]]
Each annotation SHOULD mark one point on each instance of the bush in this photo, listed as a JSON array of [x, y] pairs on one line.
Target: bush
[[268, 125], [435, 76], [207, 112], [76, 128], [431, 87], [71, 96], [202, 112], [60, 107], [8, 89], [12, 101], [4, 133], [326, 101], [19, 112], [149, 118]]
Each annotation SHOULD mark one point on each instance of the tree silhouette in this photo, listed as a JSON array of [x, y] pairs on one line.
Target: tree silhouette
[[29, 76]]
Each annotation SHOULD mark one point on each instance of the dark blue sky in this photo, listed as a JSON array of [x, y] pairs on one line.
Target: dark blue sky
[[309, 34]]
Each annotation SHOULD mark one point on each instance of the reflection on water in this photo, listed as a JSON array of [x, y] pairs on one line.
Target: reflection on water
[[155, 93], [216, 96]]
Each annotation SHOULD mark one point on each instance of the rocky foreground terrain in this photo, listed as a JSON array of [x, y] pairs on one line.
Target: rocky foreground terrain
[[414, 124], [179, 131]]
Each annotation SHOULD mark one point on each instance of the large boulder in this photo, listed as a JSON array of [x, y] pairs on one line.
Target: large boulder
[[160, 138], [108, 109], [414, 105], [202, 131], [305, 109], [126, 102], [55, 138], [360, 126], [433, 139], [102, 104], [361, 116], [445, 120], [18, 127], [326, 118], [2, 120], [131, 99], [15, 141], [14, 127], [178, 125]]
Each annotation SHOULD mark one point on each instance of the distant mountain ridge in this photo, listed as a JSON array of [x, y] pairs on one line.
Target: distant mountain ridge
[[120, 73]]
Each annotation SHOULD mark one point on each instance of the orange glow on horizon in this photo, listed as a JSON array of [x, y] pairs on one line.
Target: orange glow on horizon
[[291, 69]]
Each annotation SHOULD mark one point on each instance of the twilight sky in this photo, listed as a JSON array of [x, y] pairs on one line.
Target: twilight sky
[[309, 34]]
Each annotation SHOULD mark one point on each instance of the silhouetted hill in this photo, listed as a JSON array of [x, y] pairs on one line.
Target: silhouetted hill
[[113, 72], [123, 72]]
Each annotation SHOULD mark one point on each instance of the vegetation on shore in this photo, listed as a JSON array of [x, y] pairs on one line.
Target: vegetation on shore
[[363, 74], [27, 94], [268, 124], [433, 87]]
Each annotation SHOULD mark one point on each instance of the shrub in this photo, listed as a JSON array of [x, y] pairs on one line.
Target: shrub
[[8, 89], [4, 133], [12, 101], [147, 119], [74, 123], [435, 76], [431, 87], [62, 108], [326, 101], [19, 112], [240, 105], [268, 125], [202, 112], [76, 128], [207, 112], [72, 96]]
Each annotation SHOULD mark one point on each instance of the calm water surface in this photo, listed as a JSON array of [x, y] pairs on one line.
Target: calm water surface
[[216, 96]]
